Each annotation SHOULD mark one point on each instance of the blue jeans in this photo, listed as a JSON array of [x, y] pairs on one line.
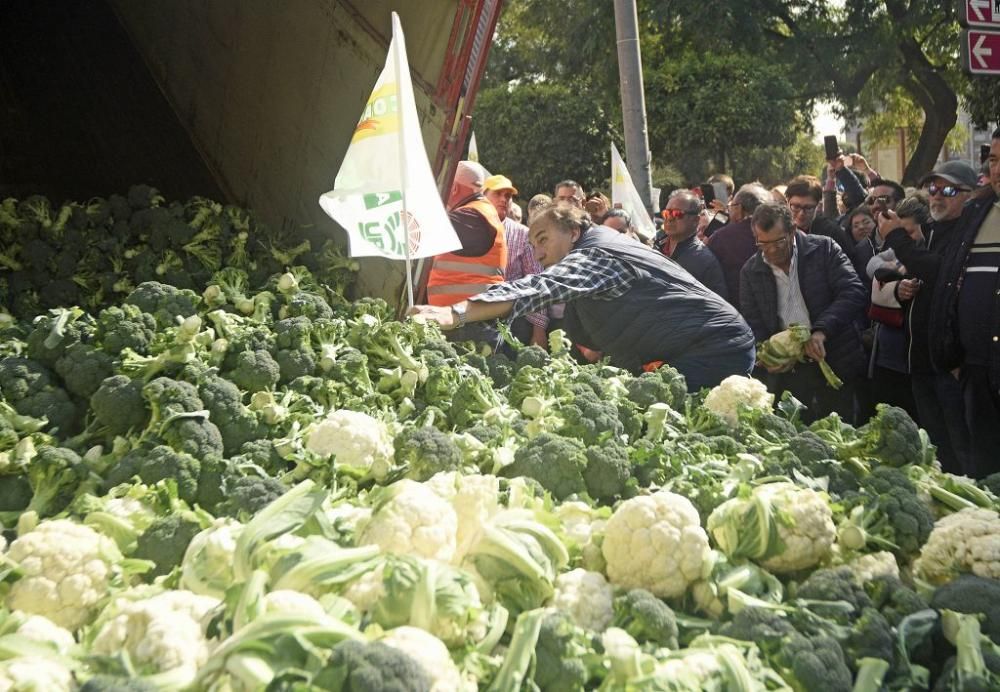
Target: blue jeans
[[709, 369]]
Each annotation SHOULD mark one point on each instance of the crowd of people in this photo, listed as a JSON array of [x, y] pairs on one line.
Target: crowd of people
[[898, 287]]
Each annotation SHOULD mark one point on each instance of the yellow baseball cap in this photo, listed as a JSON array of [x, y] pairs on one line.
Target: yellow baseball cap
[[499, 182]]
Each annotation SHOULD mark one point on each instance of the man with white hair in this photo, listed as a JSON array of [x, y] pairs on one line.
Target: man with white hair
[[734, 244], [480, 263]]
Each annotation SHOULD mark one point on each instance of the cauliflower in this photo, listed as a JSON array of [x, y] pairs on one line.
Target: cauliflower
[[474, 497], [411, 519], [867, 567], [966, 541], [355, 440], [286, 601], [207, 568], [162, 633], [655, 542], [40, 629], [782, 526], [586, 597], [431, 654], [365, 591], [583, 526], [726, 397], [30, 673], [66, 569]]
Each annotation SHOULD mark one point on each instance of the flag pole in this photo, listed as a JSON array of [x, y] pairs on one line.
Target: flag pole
[[404, 217]]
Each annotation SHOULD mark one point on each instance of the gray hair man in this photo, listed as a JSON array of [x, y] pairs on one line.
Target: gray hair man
[[733, 244], [682, 245]]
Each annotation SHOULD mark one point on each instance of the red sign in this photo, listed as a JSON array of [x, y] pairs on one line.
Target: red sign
[[981, 52], [979, 13]]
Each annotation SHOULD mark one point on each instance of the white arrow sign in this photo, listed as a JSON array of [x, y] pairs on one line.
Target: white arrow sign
[[980, 53], [978, 6]]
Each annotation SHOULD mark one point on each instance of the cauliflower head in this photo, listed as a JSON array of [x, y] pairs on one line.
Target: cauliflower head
[[355, 440], [782, 526], [287, 601], [431, 654], [35, 673], [587, 597], [583, 527], [411, 519], [207, 567], [655, 542], [474, 497], [867, 567], [40, 629], [161, 633], [66, 569], [966, 541], [725, 398]]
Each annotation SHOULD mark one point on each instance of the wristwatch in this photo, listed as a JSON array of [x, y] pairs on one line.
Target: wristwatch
[[460, 311]]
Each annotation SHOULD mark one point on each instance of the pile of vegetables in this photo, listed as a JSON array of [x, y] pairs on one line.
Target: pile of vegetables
[[238, 489]]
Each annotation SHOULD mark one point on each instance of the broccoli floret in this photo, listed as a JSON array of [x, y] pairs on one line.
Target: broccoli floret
[[124, 327], [53, 333], [305, 304], [608, 470], [834, 584], [501, 369], [262, 454], [295, 363], [976, 664], [664, 385], [255, 371], [29, 387], [894, 599], [165, 303], [559, 652], [294, 352], [248, 495], [556, 462], [532, 356], [168, 397], [646, 618], [425, 451], [808, 448], [368, 666], [991, 483], [109, 683], [805, 662], [212, 479], [118, 405], [15, 493], [473, 398], [142, 196], [165, 542], [83, 368], [224, 402], [871, 636], [590, 419], [194, 434], [55, 475], [894, 439], [155, 465], [442, 383], [972, 594]]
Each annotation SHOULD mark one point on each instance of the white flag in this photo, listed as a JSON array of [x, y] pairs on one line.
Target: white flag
[[386, 177], [623, 192], [473, 149]]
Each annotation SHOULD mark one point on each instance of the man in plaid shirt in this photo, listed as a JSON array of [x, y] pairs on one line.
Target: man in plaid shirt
[[622, 298]]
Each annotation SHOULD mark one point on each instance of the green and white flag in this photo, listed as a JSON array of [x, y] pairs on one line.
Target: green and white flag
[[385, 176], [473, 149], [623, 192]]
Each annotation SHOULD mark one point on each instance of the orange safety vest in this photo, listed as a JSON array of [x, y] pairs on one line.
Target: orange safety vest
[[454, 278]]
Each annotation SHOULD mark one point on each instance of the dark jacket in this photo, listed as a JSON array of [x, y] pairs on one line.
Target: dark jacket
[[665, 316], [923, 262], [701, 263], [733, 245], [833, 294], [831, 229], [946, 351]]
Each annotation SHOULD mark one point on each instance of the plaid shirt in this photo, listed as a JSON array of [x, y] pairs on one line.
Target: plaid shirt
[[593, 273], [521, 262]]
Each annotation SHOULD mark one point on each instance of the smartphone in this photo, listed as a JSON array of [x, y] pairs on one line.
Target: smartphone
[[707, 193], [831, 146], [984, 153], [721, 193]]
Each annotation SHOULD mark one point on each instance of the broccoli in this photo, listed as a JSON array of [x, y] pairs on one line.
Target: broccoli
[[248, 495], [154, 465], [976, 664], [126, 326], [295, 363], [808, 448], [972, 594], [556, 462], [83, 368], [305, 304], [441, 385], [664, 385], [234, 284], [559, 655], [473, 398], [212, 479], [805, 662], [425, 451], [255, 371], [55, 475], [59, 292], [501, 369], [870, 636], [224, 402], [52, 334], [165, 303], [28, 387], [15, 494], [194, 434], [894, 439], [118, 405], [894, 599], [165, 541], [144, 196], [356, 666], [646, 618], [834, 584], [991, 483], [608, 470], [532, 356], [294, 352], [351, 369], [262, 454], [590, 419]]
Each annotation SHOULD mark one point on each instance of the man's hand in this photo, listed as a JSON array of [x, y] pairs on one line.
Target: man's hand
[[888, 221], [717, 206], [539, 337], [815, 347], [442, 315], [907, 288]]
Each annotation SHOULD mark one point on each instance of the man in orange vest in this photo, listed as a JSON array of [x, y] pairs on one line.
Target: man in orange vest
[[455, 276]]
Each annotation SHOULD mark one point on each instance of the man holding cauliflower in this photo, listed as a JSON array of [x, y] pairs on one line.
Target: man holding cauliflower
[[801, 279], [623, 299]]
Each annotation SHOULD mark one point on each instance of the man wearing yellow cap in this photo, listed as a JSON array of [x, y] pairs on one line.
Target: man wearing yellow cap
[[521, 262]]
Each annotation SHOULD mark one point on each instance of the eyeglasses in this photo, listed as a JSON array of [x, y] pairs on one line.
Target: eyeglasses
[[946, 191], [764, 244], [677, 213], [881, 199], [807, 208]]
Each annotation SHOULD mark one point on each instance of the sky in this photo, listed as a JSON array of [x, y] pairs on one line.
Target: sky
[[825, 122]]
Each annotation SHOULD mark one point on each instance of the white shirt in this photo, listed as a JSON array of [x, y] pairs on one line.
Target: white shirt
[[791, 305]]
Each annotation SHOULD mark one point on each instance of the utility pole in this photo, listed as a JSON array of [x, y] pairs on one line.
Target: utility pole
[[633, 99]]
